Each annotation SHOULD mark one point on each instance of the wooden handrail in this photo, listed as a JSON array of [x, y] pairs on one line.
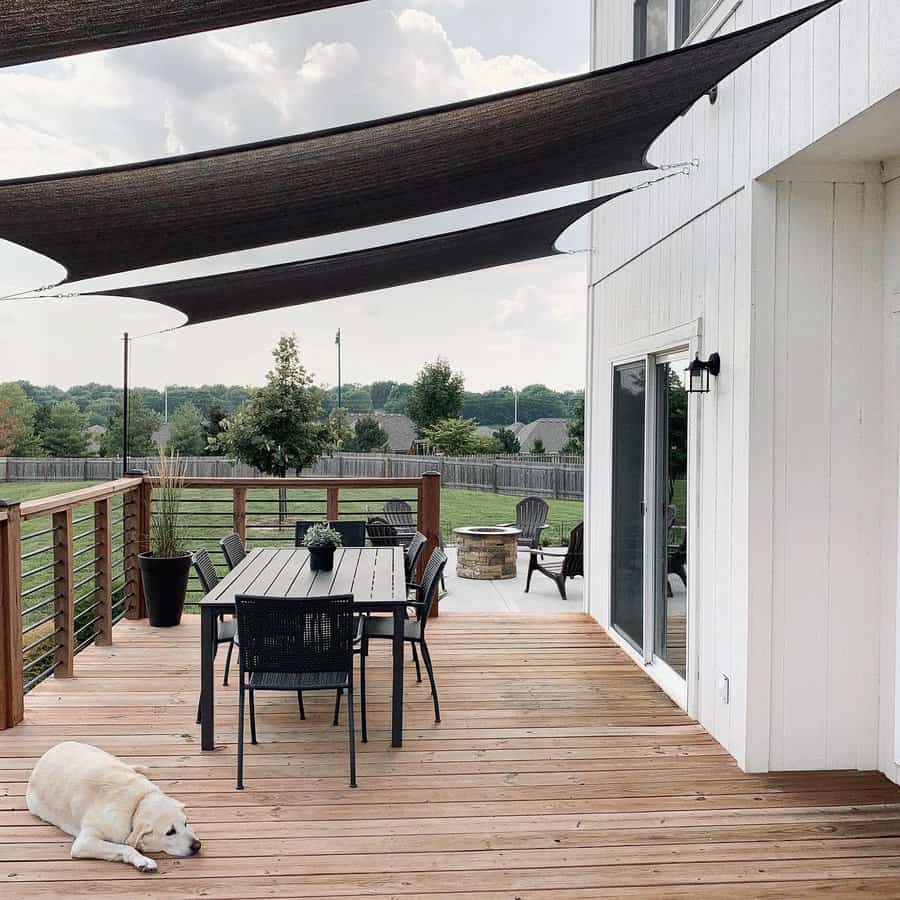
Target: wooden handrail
[[60, 502], [340, 483]]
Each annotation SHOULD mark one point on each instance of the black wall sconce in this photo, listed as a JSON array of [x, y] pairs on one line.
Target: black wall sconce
[[699, 372]]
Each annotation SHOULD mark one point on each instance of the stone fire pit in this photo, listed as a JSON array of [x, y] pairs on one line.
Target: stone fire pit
[[486, 552]]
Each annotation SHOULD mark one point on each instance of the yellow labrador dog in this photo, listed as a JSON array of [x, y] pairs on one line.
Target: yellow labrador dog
[[111, 810]]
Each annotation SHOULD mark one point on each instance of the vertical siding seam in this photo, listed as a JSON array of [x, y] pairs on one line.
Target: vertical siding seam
[[829, 389]]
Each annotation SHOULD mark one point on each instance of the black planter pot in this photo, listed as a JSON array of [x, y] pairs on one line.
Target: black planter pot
[[321, 559], [165, 580]]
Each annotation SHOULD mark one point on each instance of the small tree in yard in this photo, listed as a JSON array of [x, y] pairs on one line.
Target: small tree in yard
[[437, 394], [142, 422], [279, 428], [368, 436], [64, 430], [454, 437], [507, 440], [575, 428], [17, 413], [188, 437]]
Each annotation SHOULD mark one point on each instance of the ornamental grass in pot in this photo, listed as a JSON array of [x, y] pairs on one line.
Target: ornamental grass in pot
[[321, 541], [167, 565]]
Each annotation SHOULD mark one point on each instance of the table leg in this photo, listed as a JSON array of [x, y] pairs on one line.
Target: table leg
[[208, 634], [397, 693]]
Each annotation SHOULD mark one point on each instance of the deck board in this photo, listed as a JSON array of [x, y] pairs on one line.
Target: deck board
[[559, 772]]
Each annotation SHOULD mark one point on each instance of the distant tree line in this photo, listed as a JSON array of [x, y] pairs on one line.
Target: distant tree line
[[49, 421]]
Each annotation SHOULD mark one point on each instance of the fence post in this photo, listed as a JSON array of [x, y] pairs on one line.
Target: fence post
[[64, 602], [429, 519], [103, 571], [239, 512], [137, 509], [12, 689], [332, 504]]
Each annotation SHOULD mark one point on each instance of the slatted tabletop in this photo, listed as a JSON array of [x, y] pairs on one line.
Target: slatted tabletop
[[374, 575]]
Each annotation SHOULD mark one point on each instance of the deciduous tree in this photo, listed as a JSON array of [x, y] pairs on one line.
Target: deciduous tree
[[188, 431], [437, 394], [63, 430]]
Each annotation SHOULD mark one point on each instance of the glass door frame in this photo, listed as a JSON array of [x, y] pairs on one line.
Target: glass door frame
[[682, 341]]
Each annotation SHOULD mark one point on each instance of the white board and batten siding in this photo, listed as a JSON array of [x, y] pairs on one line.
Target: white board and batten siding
[[788, 278]]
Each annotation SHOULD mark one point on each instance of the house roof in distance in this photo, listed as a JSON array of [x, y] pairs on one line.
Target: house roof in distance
[[400, 429], [552, 433]]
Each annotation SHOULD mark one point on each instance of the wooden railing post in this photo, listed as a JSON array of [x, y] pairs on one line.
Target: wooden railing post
[[64, 594], [239, 512], [429, 518], [103, 550], [332, 504], [12, 690], [138, 505]]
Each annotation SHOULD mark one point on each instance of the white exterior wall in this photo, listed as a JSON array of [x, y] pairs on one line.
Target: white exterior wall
[[788, 279]]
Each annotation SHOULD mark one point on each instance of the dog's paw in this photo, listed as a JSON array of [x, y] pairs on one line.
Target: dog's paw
[[145, 864]]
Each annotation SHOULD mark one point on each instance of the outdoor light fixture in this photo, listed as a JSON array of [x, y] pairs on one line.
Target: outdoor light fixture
[[699, 372]]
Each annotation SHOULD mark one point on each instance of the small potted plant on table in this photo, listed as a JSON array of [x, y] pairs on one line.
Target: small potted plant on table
[[166, 567], [321, 541]]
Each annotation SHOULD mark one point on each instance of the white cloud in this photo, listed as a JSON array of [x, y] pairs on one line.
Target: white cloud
[[328, 61]]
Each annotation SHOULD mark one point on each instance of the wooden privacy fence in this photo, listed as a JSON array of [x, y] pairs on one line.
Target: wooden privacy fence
[[543, 476], [69, 563]]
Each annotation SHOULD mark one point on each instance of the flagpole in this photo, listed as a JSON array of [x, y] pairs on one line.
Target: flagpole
[[337, 340]]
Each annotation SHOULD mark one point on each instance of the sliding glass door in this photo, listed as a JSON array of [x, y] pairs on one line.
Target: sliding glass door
[[649, 509], [670, 526], [629, 405]]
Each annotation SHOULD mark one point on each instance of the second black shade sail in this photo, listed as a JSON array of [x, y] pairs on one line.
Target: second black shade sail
[[592, 126], [221, 296]]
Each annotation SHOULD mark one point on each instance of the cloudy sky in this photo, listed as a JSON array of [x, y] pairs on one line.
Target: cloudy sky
[[517, 324]]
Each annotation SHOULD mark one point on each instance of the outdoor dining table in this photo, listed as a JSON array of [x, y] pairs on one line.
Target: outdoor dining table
[[374, 575]]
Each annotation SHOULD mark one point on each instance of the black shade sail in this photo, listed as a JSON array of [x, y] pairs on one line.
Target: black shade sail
[[275, 287], [32, 30], [592, 126]]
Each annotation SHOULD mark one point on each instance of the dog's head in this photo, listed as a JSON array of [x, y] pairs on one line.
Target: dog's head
[[159, 825]]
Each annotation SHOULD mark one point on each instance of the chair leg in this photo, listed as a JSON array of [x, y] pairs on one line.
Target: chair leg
[[198, 711], [228, 662], [300, 704], [362, 689], [252, 719], [561, 584], [352, 734], [530, 573], [240, 759], [337, 706], [434, 694], [416, 661]]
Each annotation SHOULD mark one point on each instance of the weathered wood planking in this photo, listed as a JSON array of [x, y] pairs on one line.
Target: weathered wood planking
[[560, 772]]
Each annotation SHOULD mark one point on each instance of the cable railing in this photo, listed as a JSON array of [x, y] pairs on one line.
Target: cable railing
[[69, 567]]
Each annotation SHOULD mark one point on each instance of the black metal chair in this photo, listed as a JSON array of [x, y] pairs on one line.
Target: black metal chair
[[353, 533], [301, 526], [531, 520], [382, 533], [294, 644], [234, 550], [561, 565], [411, 557], [226, 630], [382, 628]]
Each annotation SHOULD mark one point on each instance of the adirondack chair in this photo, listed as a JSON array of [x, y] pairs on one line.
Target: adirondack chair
[[399, 514], [559, 565], [531, 520]]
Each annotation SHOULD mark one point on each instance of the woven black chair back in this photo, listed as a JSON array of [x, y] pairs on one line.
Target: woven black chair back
[[573, 562], [300, 528], [531, 514], [205, 570], [295, 634], [233, 548], [382, 533], [431, 582], [413, 553], [353, 533]]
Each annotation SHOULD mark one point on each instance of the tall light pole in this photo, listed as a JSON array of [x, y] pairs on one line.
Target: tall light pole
[[337, 340], [125, 409], [515, 405]]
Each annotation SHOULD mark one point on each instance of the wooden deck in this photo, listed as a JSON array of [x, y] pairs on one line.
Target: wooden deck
[[560, 772]]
